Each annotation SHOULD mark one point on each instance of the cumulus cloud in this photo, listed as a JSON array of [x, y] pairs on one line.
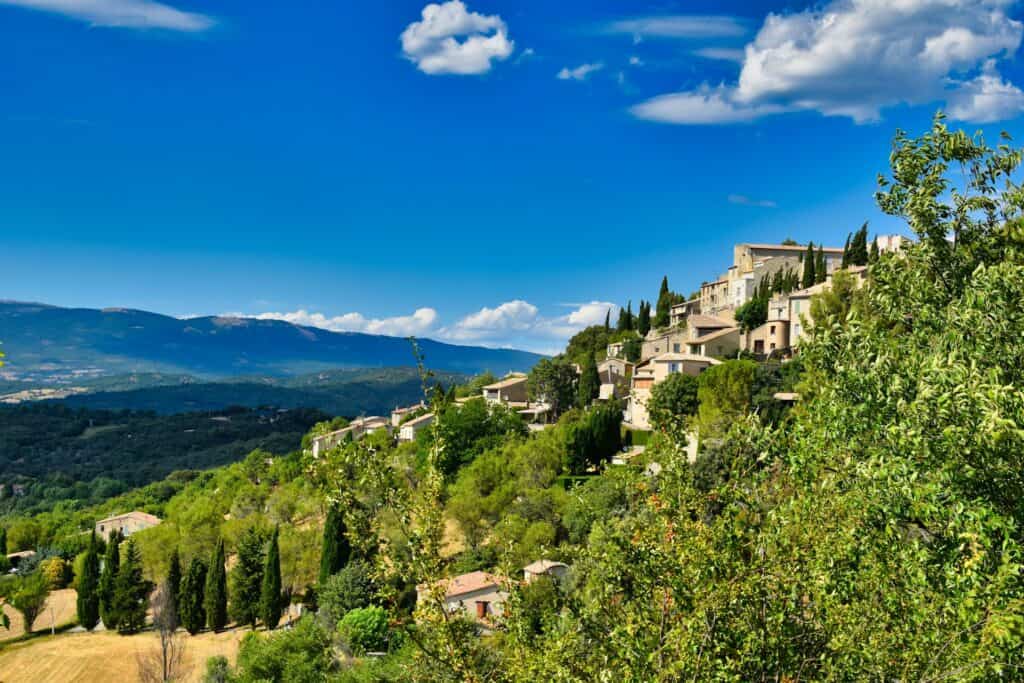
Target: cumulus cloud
[[579, 73], [744, 200], [142, 14], [489, 323], [449, 39], [855, 57], [421, 321], [679, 26]]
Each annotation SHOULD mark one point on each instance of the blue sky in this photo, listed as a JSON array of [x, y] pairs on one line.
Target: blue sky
[[474, 172]]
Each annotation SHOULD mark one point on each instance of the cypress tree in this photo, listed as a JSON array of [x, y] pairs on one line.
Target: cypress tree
[[3, 541], [664, 309], [859, 247], [643, 322], [608, 320], [629, 316], [174, 582], [846, 251], [215, 602], [193, 589], [820, 266], [590, 383], [88, 602], [336, 548], [808, 279], [246, 580], [130, 592], [108, 577], [270, 593], [873, 255]]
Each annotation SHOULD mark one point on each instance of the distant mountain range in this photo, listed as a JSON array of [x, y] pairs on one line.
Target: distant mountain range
[[73, 345]]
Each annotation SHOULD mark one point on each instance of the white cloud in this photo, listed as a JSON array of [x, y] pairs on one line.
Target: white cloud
[[725, 54], [434, 44], [706, 105], [635, 61], [855, 57], [488, 323], [421, 321], [986, 98], [679, 26], [744, 200], [143, 14], [579, 73]]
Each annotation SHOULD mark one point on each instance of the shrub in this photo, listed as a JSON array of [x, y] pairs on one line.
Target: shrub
[[365, 629]]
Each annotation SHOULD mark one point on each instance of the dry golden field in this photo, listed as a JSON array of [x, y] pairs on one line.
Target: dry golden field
[[62, 603], [104, 657]]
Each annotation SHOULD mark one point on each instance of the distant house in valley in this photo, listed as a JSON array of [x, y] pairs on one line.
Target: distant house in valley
[[511, 390], [128, 524], [535, 570], [355, 429], [411, 428], [479, 595]]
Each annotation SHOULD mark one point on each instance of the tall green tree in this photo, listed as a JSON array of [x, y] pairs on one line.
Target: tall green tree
[[108, 579], [191, 597], [270, 591], [846, 250], [246, 579], [553, 380], [215, 601], [859, 247], [820, 266], [336, 549], [131, 591], [663, 311], [3, 540], [608, 320], [590, 383], [643, 322], [174, 583], [625, 322], [873, 254], [28, 596], [809, 274], [87, 602]]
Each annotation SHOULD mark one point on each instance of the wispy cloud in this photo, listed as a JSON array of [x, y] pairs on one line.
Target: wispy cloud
[[679, 26], [449, 39], [725, 54], [744, 200], [579, 73], [138, 14]]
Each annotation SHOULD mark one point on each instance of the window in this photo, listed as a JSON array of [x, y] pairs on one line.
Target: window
[[675, 348], [673, 367], [481, 608], [771, 330]]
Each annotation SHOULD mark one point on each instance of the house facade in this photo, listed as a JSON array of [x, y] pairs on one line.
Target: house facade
[[127, 524], [656, 370], [511, 390], [409, 430], [357, 428], [479, 596]]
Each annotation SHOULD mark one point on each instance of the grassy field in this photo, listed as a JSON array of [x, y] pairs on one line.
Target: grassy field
[[62, 604], [105, 657]]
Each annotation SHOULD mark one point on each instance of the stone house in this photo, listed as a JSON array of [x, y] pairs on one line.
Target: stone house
[[128, 524]]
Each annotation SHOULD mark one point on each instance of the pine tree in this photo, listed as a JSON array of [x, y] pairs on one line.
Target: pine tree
[[215, 602], [808, 279], [130, 592], [820, 266], [246, 579], [108, 577], [662, 314], [190, 597], [590, 383], [270, 593], [336, 548], [174, 583], [88, 602], [643, 322]]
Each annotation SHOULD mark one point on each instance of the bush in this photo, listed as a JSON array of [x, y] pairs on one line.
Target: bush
[[57, 572], [349, 589], [365, 630], [297, 655]]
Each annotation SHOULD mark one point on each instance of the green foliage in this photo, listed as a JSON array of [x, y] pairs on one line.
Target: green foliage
[[192, 596], [57, 571], [3, 541], [752, 314], [298, 655], [349, 589], [174, 581], [218, 670], [626, 319], [553, 380], [335, 548], [471, 428], [820, 266], [833, 304], [246, 579], [663, 310], [589, 341], [108, 581], [808, 277], [215, 599], [28, 595], [365, 629], [672, 402], [131, 591], [724, 392], [643, 321], [270, 590], [593, 438], [589, 387]]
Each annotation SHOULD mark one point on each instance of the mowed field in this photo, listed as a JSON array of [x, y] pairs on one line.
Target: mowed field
[[60, 610], [105, 657]]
